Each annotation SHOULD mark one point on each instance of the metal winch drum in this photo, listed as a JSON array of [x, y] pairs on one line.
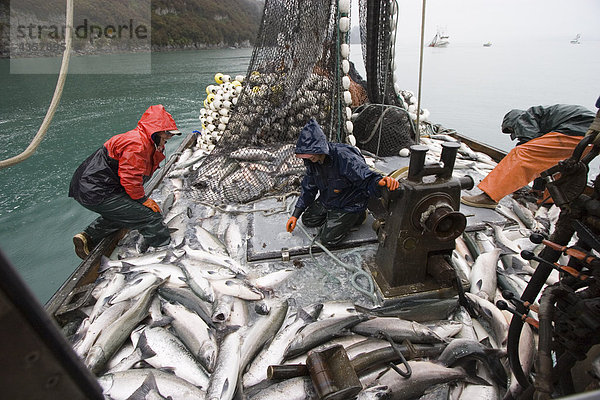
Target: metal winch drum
[[418, 228]]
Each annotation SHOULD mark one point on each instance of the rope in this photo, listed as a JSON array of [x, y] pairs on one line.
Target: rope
[[418, 132], [369, 291], [379, 121], [318, 264], [62, 75]]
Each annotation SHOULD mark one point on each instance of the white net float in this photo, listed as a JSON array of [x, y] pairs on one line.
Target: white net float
[[344, 6], [351, 140], [345, 66], [347, 97], [349, 127], [344, 24], [345, 50], [346, 82]]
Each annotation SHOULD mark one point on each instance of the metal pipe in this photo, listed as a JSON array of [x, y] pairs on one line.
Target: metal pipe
[[448, 158], [418, 152], [543, 381], [562, 235], [418, 130]]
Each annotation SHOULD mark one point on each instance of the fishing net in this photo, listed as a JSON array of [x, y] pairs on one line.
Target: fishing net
[[298, 71], [384, 127], [377, 35], [383, 131]]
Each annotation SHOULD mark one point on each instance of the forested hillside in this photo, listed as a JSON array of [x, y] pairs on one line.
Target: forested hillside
[[175, 24], [184, 23]]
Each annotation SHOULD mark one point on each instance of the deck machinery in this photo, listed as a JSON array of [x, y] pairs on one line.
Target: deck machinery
[[416, 227]]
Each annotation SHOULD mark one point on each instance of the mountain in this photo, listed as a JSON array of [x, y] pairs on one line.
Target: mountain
[[174, 24], [205, 23]]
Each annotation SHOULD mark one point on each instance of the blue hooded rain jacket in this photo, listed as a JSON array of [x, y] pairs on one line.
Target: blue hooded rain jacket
[[344, 180]]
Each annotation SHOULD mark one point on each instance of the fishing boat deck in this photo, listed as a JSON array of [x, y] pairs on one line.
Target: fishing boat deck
[[255, 236], [261, 224], [266, 247], [267, 238]]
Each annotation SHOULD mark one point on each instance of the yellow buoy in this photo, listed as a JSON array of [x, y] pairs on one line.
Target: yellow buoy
[[219, 78], [210, 98]]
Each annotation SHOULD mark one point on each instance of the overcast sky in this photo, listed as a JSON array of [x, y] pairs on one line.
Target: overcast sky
[[499, 20]]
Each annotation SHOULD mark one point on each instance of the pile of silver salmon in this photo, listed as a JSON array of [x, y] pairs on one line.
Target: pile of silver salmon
[[196, 321]]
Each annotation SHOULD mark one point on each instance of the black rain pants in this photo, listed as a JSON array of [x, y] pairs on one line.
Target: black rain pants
[[122, 211], [335, 224]]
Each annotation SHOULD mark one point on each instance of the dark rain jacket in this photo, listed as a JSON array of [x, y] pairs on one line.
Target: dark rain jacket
[[572, 120], [344, 180], [123, 163]]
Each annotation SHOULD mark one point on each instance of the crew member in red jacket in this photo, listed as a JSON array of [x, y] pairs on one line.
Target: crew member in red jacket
[[110, 182]]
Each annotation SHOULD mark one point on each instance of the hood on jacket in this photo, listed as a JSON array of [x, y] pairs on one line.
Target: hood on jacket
[[156, 119], [510, 120], [568, 119], [312, 140]]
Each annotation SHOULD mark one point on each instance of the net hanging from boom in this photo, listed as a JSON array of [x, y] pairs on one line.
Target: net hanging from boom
[[296, 73]]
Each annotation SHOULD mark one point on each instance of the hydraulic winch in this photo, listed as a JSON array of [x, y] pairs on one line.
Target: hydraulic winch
[[417, 226]]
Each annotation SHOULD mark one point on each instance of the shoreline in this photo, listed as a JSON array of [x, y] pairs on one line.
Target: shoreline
[[6, 53]]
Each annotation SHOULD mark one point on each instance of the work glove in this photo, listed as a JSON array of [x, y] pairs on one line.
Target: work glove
[[151, 204], [391, 183], [291, 224]]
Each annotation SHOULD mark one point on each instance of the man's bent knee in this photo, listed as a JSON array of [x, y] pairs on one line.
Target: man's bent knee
[[312, 221]]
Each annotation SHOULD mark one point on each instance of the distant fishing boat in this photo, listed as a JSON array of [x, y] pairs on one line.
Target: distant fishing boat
[[575, 40], [487, 44], [440, 39]]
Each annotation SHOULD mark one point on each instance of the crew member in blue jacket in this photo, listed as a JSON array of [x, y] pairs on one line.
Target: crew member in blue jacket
[[339, 174]]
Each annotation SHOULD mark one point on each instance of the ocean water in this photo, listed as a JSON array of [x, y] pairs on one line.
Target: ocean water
[[466, 87]]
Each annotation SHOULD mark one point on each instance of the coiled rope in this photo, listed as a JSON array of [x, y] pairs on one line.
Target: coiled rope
[[369, 291], [62, 75]]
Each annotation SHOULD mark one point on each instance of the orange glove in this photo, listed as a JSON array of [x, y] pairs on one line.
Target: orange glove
[[391, 183], [151, 204], [291, 224]]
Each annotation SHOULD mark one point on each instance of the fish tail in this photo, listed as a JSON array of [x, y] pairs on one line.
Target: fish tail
[[104, 264], [472, 378], [144, 348]]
